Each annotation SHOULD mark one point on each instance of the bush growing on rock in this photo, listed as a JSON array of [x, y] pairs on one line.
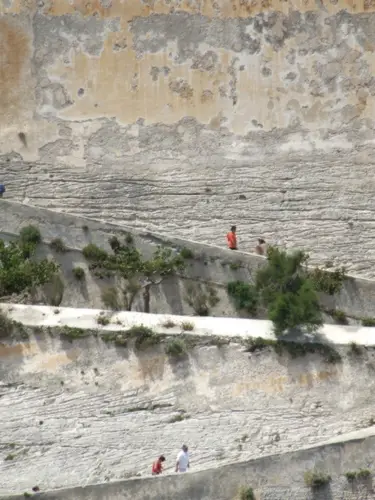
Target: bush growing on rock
[[316, 479], [30, 235], [58, 245], [285, 289], [78, 273], [176, 348], [201, 298], [246, 493], [20, 270]]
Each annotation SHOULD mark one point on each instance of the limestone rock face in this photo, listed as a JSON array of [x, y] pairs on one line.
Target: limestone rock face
[[75, 412], [187, 117]]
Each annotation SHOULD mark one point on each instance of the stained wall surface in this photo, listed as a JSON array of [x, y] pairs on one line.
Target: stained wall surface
[[84, 411], [189, 115]]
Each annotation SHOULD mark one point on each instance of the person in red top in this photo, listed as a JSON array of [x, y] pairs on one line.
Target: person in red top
[[157, 466], [232, 238]]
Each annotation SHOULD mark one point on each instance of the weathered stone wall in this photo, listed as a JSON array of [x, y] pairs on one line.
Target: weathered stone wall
[[190, 115], [76, 412], [214, 265], [277, 477]]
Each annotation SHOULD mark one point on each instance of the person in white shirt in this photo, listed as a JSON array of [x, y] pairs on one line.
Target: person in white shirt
[[183, 463]]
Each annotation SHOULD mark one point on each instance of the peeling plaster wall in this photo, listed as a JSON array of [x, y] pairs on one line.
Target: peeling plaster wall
[[188, 115]]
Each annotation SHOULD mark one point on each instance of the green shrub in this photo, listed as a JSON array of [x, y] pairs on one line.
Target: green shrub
[[78, 273], [244, 296], [178, 418], [129, 240], [30, 235], [246, 493], [176, 348], [355, 349], [110, 298], [368, 321], [6, 325], [58, 245], [286, 291], [102, 319], [329, 282], [73, 333], [363, 473], [144, 336], [357, 475], [169, 324], [315, 479], [234, 266], [20, 271], [187, 326], [54, 290], [94, 253], [351, 475], [201, 298], [339, 316], [186, 253], [257, 344]]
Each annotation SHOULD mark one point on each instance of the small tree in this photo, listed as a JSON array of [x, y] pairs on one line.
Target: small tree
[[286, 290], [135, 273]]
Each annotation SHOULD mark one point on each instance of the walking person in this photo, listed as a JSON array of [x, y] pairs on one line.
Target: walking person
[[232, 238], [183, 460], [2, 190], [261, 248], [157, 466]]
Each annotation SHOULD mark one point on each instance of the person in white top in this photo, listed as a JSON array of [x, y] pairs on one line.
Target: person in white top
[[183, 463]]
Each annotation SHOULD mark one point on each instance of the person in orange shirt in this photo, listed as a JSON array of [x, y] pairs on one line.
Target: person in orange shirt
[[232, 238], [157, 466]]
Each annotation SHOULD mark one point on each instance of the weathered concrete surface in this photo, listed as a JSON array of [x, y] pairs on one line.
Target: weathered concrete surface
[[188, 116], [211, 264], [277, 477], [80, 412]]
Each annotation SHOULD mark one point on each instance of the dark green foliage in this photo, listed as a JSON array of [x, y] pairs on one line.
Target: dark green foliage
[[129, 240], [368, 321], [329, 282], [201, 298], [355, 349], [20, 271], [6, 325], [54, 290], [358, 475], [144, 336], [58, 245], [78, 273], [338, 316], [127, 264], [293, 349], [244, 296], [30, 235], [175, 348], [178, 418], [253, 344], [110, 298], [94, 253], [103, 320], [186, 253], [363, 473], [246, 493], [73, 333], [316, 479], [287, 293]]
